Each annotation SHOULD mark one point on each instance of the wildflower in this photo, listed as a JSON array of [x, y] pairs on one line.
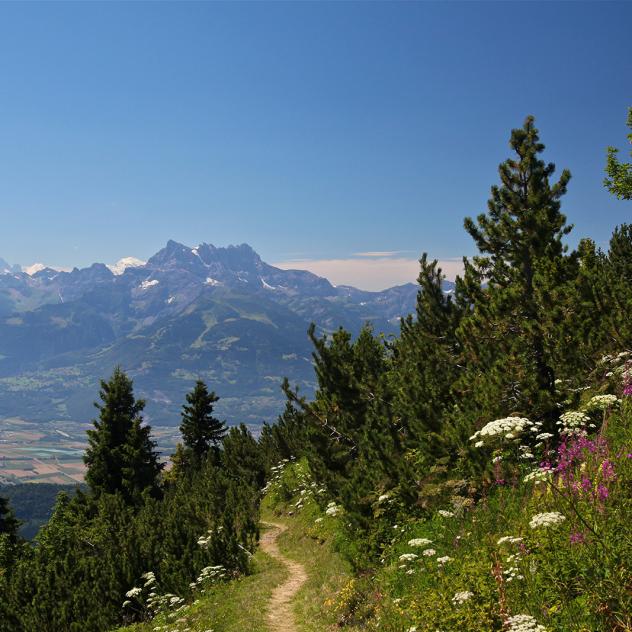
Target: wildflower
[[543, 436], [382, 498], [444, 560], [602, 402], [429, 552], [461, 597], [332, 509], [446, 514], [408, 557], [506, 428], [134, 592], [524, 623], [547, 519], [509, 539], [573, 422], [419, 542], [577, 538], [538, 476]]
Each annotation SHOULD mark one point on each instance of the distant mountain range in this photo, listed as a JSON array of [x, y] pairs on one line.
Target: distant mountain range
[[221, 314]]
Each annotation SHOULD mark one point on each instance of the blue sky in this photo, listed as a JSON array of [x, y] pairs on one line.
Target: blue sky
[[311, 131]]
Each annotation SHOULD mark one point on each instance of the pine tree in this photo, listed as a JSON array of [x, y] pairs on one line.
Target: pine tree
[[619, 174], [201, 431], [9, 524], [121, 456], [510, 336]]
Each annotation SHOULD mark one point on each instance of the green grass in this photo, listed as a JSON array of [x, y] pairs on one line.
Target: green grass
[[235, 606]]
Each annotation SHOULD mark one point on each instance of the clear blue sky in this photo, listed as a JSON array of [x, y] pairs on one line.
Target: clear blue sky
[[308, 130]]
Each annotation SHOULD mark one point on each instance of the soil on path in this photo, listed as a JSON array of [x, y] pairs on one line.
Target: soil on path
[[280, 615]]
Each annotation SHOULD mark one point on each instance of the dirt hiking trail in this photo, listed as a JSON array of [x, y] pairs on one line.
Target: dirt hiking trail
[[280, 615]]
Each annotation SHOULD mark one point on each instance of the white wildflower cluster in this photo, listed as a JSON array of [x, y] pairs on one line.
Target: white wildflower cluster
[[154, 602], [461, 597], [574, 423], [333, 509], [208, 576], [524, 623], [602, 402], [205, 540], [428, 552], [419, 542], [539, 476], [525, 452], [408, 557], [504, 429], [509, 539], [546, 520], [444, 513], [444, 560], [513, 571]]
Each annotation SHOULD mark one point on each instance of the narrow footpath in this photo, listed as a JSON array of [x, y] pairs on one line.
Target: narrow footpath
[[280, 616]]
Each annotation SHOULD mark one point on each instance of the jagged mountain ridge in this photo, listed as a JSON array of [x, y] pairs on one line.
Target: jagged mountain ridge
[[222, 314]]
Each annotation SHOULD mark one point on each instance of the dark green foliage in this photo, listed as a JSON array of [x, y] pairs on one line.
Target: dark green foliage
[[33, 504], [242, 459], [201, 432], [120, 454], [96, 546], [619, 174], [9, 524]]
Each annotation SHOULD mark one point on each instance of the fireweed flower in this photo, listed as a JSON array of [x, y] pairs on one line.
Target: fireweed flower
[[546, 520]]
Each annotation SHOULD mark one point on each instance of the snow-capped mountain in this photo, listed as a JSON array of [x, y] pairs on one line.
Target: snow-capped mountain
[[221, 314]]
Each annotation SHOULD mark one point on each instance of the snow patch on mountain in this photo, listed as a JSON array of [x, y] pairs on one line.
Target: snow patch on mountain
[[126, 262], [147, 284], [34, 268]]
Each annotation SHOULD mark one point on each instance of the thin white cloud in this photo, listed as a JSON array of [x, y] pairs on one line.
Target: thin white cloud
[[373, 273], [379, 254]]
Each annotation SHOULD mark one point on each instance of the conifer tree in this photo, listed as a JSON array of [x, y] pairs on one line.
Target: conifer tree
[[619, 174], [9, 524], [121, 455], [510, 335], [201, 431]]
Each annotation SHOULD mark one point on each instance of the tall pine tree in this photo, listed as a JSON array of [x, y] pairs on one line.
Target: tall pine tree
[[201, 431], [121, 455], [510, 336]]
